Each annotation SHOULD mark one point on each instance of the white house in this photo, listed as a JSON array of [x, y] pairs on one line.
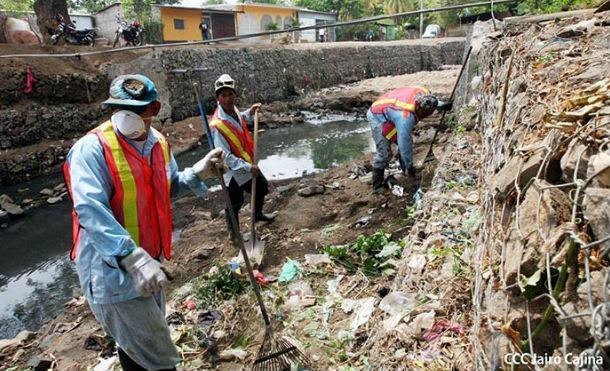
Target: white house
[[312, 17]]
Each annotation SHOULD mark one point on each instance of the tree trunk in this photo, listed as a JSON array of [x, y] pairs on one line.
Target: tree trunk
[[46, 10]]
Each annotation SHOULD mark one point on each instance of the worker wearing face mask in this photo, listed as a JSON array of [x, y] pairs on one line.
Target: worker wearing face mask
[[121, 177]]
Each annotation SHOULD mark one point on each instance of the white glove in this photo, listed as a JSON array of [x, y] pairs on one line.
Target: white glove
[[204, 168], [145, 272]]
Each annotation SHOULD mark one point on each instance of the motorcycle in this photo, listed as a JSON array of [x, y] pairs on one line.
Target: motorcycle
[[133, 33], [71, 35]]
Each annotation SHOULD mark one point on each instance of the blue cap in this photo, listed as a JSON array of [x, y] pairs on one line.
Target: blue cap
[[132, 90]]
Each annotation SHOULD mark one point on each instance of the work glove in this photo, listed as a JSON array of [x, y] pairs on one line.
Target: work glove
[[145, 271], [444, 106], [204, 168]]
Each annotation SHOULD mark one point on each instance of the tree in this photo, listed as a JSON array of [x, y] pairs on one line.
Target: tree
[[17, 5], [399, 6], [273, 26], [373, 7], [46, 10], [141, 8], [213, 2], [90, 6], [277, 2]]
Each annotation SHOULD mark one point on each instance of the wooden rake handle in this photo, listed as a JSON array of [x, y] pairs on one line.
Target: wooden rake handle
[[253, 191]]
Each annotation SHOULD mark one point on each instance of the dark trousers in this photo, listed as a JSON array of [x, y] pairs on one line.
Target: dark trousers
[[129, 364], [236, 193]]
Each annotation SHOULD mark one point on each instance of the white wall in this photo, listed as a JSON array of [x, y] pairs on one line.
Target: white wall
[[309, 35], [82, 21], [105, 22], [247, 24]]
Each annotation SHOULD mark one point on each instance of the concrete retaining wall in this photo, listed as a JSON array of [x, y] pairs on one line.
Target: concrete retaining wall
[[278, 73]]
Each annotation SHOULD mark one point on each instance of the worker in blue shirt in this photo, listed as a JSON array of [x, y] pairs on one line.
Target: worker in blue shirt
[[120, 177], [393, 117]]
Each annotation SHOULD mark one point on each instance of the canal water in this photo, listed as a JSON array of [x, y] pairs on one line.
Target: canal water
[[36, 276]]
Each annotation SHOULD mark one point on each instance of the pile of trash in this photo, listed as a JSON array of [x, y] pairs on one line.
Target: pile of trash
[[318, 302], [429, 327], [542, 260]]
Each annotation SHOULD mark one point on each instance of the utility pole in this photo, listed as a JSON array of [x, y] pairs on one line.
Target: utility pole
[[421, 18]]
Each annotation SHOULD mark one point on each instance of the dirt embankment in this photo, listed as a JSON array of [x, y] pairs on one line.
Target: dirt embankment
[[37, 128]]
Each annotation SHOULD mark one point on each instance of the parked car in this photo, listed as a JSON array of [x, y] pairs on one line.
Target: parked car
[[432, 31]]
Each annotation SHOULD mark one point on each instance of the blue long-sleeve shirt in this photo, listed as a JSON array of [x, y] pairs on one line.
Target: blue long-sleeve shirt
[[102, 238], [404, 127], [239, 168]]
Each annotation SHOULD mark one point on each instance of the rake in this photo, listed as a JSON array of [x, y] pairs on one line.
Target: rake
[[275, 353]]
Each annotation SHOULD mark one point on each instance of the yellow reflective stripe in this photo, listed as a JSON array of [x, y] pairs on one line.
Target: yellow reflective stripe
[[130, 207], [230, 136], [391, 134], [395, 102], [166, 155], [407, 106]]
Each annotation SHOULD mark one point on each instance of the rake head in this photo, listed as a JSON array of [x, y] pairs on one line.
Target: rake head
[[279, 354]]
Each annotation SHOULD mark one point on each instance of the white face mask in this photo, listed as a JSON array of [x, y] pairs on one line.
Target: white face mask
[[129, 124]]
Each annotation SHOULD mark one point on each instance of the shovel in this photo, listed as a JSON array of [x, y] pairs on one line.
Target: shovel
[[275, 353]]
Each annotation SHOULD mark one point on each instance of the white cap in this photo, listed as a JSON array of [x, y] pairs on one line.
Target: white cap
[[224, 81], [129, 124]]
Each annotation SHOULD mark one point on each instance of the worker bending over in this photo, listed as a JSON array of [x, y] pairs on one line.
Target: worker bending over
[[393, 117]]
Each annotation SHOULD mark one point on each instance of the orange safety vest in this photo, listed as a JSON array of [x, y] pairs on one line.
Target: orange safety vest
[[141, 201], [240, 141], [399, 99]]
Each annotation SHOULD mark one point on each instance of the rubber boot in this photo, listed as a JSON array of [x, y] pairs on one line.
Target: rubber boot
[[259, 216], [129, 364], [378, 176], [262, 217]]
